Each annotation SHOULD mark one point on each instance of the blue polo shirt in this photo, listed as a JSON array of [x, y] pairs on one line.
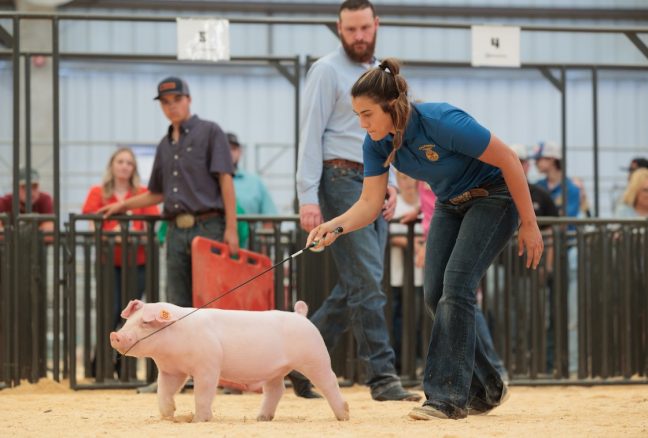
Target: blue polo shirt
[[440, 146]]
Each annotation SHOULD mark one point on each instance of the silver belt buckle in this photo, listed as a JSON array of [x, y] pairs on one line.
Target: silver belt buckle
[[185, 220]]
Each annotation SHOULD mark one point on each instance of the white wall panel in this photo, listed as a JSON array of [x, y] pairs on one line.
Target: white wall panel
[[110, 104]]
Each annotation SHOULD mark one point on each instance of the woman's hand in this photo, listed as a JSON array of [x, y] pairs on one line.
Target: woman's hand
[[530, 239], [323, 235]]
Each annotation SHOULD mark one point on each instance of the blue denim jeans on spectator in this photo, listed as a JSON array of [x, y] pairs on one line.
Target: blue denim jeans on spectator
[[463, 241], [357, 300], [178, 241]]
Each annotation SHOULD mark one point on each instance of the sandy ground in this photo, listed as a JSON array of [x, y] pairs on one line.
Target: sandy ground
[[51, 409]]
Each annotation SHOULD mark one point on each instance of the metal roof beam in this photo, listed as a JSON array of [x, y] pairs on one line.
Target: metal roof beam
[[388, 9], [632, 36]]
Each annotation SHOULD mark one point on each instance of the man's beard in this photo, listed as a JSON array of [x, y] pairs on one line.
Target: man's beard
[[364, 56]]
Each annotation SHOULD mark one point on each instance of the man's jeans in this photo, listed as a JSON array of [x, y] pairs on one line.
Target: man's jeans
[[357, 299], [462, 242], [179, 284]]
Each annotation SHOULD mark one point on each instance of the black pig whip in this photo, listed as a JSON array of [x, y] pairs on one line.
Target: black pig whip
[[338, 230]]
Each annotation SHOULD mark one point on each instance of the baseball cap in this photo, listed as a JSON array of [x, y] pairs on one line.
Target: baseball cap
[[34, 177], [547, 149], [172, 85], [521, 151], [233, 139]]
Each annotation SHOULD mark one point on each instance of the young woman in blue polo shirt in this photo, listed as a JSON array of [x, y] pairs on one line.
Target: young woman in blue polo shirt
[[481, 189]]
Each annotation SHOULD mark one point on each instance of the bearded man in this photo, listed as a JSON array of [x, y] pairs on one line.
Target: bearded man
[[329, 181]]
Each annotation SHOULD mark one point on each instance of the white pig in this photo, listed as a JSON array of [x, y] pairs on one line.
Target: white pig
[[255, 349]]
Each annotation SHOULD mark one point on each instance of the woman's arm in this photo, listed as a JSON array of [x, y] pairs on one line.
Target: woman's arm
[[499, 155], [362, 213]]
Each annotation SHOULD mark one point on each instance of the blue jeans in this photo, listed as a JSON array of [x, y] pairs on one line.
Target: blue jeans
[[462, 242], [357, 300], [178, 240]]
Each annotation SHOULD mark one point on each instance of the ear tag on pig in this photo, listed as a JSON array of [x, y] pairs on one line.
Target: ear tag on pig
[[164, 315]]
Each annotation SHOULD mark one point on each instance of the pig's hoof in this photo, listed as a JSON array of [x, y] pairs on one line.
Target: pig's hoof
[[262, 417], [201, 419], [345, 414]]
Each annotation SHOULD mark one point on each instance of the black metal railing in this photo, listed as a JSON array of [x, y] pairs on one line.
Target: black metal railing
[[592, 282]]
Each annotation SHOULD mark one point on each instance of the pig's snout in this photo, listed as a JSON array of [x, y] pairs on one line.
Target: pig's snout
[[119, 341]]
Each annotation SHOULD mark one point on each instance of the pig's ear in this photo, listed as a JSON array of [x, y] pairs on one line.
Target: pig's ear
[[158, 313], [132, 307]]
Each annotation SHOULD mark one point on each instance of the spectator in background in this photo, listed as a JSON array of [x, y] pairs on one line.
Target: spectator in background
[[584, 208], [635, 198], [251, 193], [41, 202], [543, 206], [252, 196], [121, 181], [548, 158], [407, 210], [542, 202], [620, 207], [636, 163]]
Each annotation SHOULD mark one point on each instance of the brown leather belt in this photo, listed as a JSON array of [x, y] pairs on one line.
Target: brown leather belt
[[188, 220], [468, 195], [344, 164]]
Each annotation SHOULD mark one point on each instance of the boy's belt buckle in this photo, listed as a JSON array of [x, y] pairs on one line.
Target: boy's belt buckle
[[185, 220]]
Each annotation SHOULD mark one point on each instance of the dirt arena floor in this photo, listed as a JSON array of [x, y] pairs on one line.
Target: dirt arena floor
[[50, 409]]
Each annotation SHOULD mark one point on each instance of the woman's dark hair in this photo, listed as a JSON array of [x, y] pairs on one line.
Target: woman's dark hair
[[385, 86]]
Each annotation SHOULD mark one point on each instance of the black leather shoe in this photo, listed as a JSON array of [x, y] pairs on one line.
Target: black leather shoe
[[394, 392], [302, 386]]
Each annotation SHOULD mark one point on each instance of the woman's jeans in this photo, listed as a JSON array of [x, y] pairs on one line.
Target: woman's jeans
[[462, 242], [357, 300]]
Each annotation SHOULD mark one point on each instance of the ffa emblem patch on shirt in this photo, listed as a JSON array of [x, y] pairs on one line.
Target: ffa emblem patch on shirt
[[164, 315], [429, 153]]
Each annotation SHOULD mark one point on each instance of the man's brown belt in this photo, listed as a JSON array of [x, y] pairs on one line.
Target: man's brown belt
[[344, 164]]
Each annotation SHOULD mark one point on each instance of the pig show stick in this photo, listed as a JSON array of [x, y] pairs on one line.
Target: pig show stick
[[313, 244]]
